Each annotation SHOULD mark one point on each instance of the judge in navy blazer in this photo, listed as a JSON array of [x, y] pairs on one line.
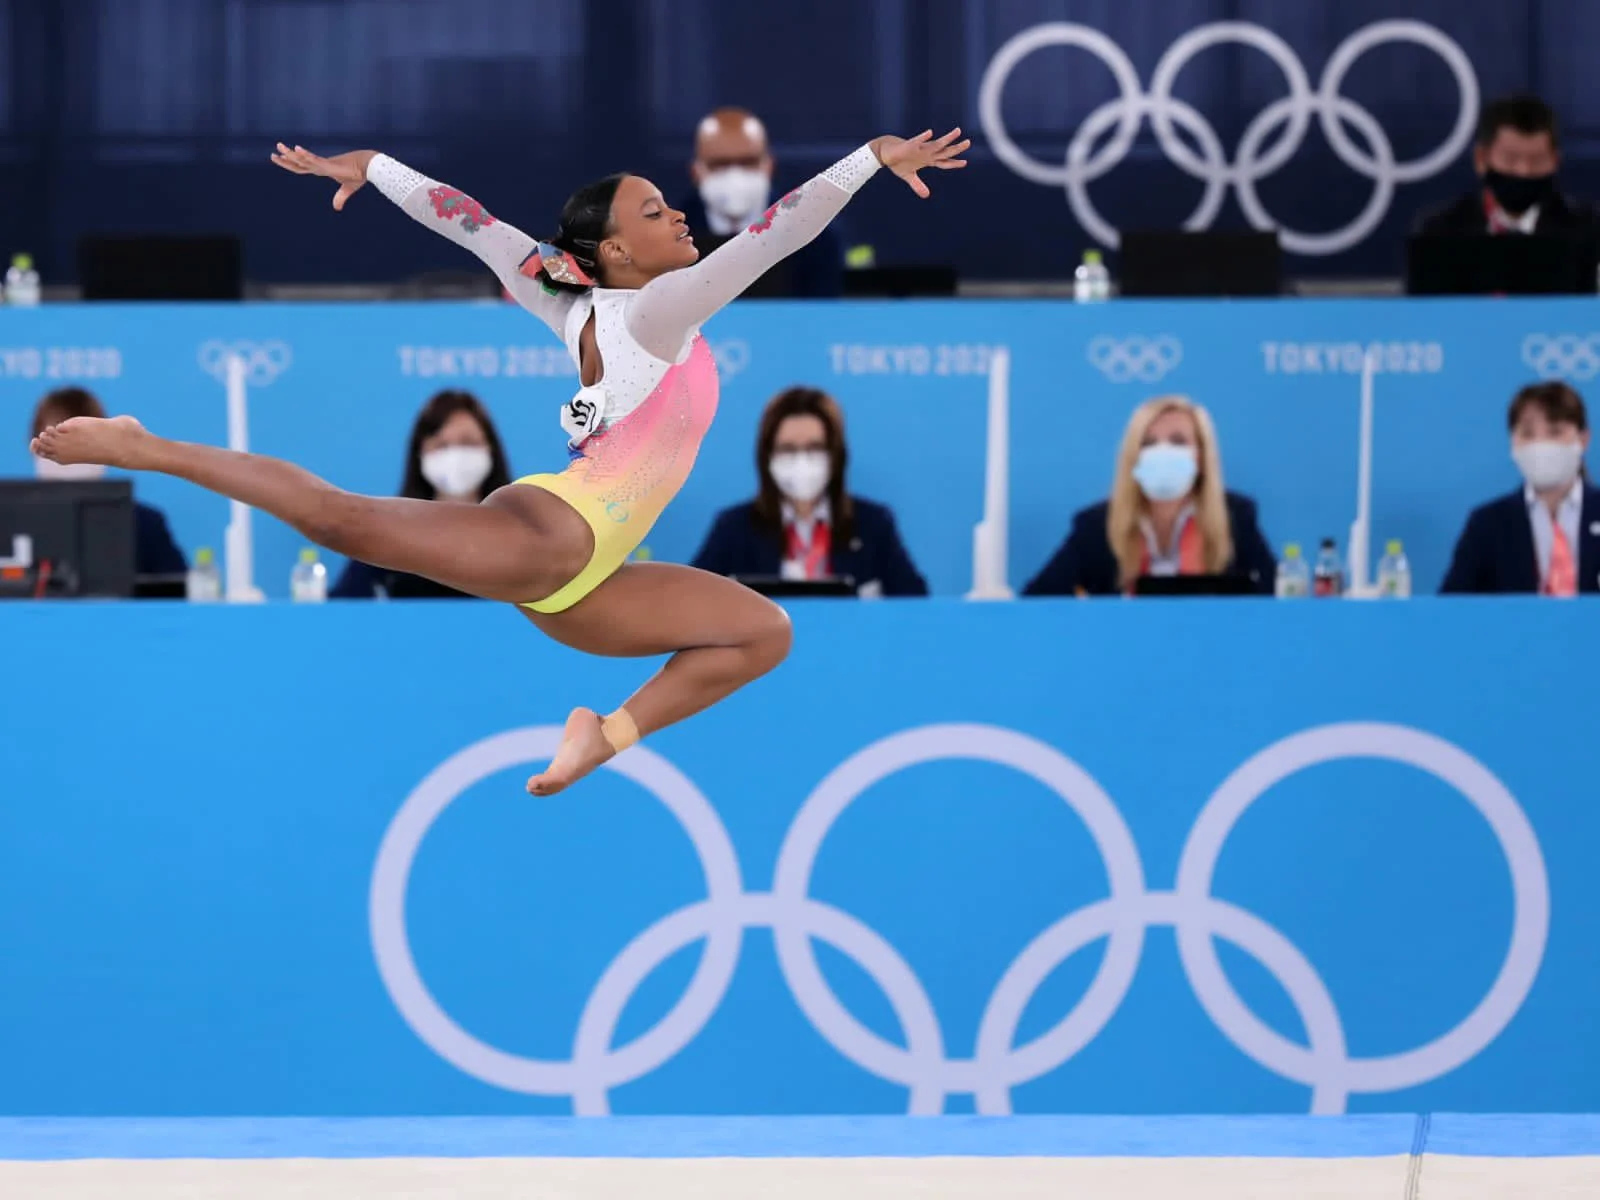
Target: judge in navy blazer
[[1545, 536], [803, 522], [1168, 514]]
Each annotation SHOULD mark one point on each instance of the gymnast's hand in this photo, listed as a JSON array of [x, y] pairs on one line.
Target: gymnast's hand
[[906, 156], [349, 171]]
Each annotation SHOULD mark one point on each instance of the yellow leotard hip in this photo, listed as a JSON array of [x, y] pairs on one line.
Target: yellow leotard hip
[[618, 530]]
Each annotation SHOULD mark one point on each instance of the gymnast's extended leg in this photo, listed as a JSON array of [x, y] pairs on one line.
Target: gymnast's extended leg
[[519, 545]]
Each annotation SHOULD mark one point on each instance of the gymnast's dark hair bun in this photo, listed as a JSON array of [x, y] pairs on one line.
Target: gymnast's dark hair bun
[[585, 223]]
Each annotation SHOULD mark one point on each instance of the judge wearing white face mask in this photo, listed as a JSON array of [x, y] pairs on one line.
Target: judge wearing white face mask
[[804, 524], [1168, 514], [732, 173], [454, 457], [1544, 537], [155, 552]]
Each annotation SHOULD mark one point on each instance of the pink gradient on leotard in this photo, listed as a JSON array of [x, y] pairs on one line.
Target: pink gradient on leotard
[[638, 465]]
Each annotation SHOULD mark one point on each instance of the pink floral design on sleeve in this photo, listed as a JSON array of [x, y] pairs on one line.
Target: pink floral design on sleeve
[[451, 204], [789, 201]]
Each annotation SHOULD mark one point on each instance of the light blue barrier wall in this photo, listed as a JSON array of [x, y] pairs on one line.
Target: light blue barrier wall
[[278, 860], [341, 384]]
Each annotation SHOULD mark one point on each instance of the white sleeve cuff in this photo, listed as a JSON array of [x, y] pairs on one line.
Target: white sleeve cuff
[[394, 179], [852, 172]]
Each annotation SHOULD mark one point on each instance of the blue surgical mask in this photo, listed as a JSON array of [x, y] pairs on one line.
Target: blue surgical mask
[[1165, 471]]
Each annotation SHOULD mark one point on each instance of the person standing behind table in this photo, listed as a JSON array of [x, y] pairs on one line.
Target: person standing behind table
[[732, 173], [804, 523], [155, 552], [455, 457], [1545, 536], [1168, 514], [1517, 155]]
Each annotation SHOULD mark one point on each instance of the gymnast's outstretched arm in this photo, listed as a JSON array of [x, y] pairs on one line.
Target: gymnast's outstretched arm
[[667, 308], [447, 211]]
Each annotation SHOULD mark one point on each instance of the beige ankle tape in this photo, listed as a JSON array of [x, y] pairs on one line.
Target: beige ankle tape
[[619, 730]]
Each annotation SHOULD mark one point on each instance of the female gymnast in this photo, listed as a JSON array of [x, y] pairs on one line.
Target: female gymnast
[[620, 284]]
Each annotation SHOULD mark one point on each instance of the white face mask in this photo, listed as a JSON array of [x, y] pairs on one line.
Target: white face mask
[[734, 193], [801, 476], [1548, 465], [457, 470], [43, 468]]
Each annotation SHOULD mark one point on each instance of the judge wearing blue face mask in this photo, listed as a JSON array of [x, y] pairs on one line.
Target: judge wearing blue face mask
[[804, 523], [1168, 514]]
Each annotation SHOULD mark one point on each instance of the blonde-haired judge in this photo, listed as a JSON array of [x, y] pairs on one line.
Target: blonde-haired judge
[[1169, 513]]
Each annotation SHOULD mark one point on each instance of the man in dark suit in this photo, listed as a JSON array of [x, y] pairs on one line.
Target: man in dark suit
[[1516, 155], [1545, 536], [732, 172], [155, 553]]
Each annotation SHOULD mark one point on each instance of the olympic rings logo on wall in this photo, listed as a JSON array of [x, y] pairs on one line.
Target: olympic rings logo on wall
[[1135, 359], [1254, 161], [998, 1063], [732, 357], [1562, 355], [263, 361]]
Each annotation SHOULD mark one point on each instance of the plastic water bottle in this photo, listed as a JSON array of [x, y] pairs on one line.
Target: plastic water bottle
[[1091, 282], [1294, 575], [1327, 578], [204, 584], [1394, 573], [22, 282], [308, 582]]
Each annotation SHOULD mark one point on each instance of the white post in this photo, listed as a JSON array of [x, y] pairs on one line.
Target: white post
[[238, 546], [989, 538], [1360, 557]]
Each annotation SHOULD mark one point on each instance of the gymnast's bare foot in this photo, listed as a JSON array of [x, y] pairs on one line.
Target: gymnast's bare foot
[[104, 441], [583, 748]]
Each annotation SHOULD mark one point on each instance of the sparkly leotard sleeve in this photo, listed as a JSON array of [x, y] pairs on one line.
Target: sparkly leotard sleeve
[[449, 211], [668, 309]]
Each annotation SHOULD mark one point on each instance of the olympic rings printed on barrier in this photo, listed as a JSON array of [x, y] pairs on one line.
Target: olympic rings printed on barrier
[[263, 361], [998, 1064], [1147, 360], [1562, 355], [1292, 114]]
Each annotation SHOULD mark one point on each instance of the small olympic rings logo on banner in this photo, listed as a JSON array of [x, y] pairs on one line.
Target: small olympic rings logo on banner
[[732, 357], [1254, 160], [998, 1064], [263, 361], [1562, 355], [1130, 359]]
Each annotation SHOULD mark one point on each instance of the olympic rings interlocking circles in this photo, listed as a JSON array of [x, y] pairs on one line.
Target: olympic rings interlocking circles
[[1127, 111], [263, 361], [998, 1064]]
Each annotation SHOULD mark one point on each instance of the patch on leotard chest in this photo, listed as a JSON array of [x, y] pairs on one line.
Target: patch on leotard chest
[[584, 413]]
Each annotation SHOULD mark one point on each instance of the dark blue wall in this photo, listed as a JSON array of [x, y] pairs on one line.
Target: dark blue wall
[[158, 114]]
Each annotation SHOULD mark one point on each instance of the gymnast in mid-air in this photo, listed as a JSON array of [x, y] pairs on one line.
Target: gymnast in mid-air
[[623, 286]]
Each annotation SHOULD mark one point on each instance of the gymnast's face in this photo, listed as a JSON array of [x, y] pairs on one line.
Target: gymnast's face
[[648, 236]]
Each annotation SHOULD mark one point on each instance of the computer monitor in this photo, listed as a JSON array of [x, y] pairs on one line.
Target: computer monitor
[[161, 267], [1181, 262], [1481, 264], [61, 538], [1194, 585], [931, 281], [776, 586]]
